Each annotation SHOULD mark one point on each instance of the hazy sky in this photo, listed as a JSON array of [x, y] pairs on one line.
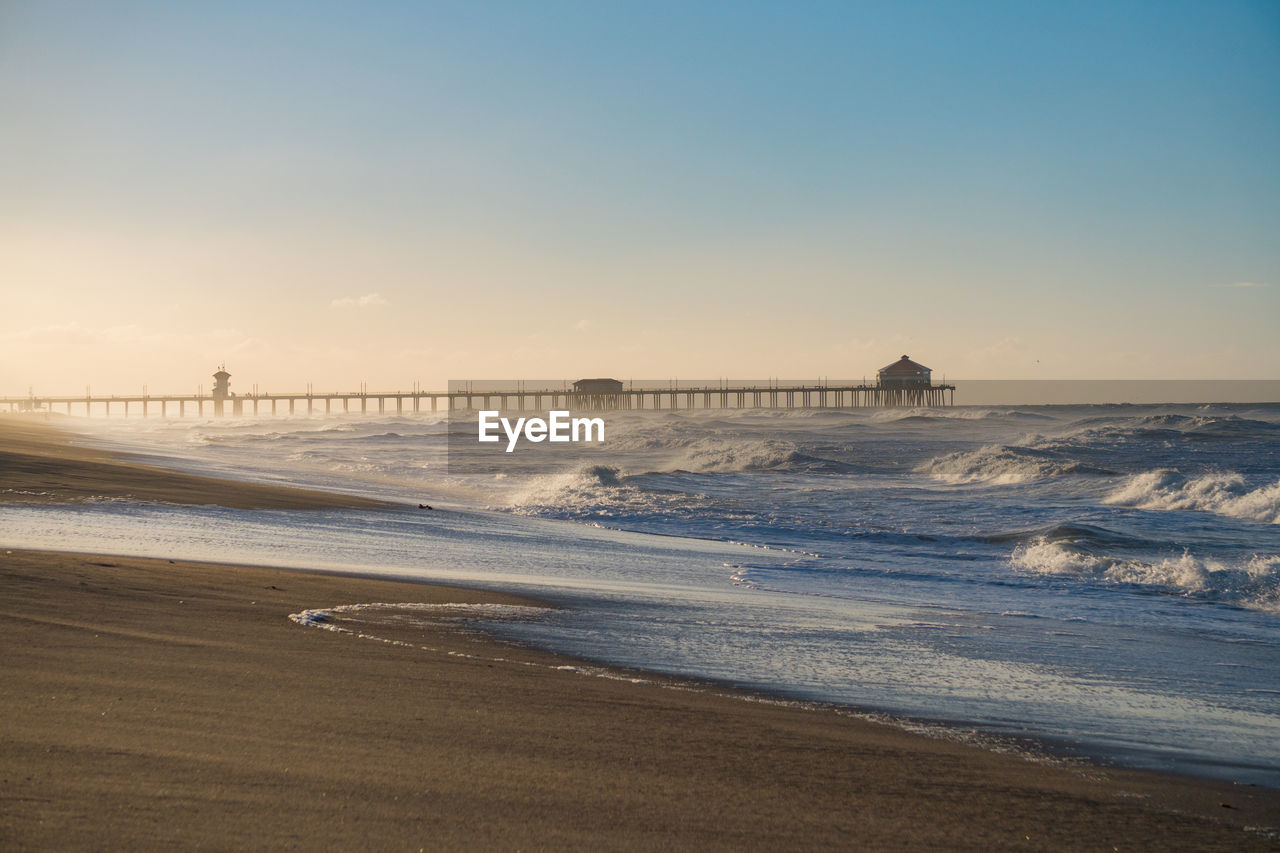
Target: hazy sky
[[344, 192]]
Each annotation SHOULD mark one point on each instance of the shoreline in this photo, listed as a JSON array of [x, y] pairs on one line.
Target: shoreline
[[41, 464], [220, 691], [160, 702], [1027, 747]]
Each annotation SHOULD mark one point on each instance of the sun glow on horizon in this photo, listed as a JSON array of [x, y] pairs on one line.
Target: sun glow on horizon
[[341, 197]]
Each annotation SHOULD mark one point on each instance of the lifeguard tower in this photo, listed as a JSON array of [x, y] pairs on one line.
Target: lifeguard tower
[[221, 389]]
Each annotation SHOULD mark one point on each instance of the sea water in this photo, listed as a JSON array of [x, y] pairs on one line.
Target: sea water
[[1103, 580]]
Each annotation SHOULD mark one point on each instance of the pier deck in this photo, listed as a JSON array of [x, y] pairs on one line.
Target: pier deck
[[540, 400]]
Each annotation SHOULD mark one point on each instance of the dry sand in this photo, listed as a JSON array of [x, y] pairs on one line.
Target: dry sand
[[157, 704]]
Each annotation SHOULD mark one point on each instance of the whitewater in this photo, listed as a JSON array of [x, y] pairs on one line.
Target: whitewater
[[1100, 581]]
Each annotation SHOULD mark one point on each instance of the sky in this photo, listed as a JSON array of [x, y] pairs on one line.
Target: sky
[[335, 193]]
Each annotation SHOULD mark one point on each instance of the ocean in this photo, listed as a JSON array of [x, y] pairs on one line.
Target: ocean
[[1066, 580]]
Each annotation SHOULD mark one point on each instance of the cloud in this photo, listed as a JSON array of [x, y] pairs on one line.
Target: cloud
[[369, 299], [1244, 284], [76, 334], [582, 325], [1001, 351], [36, 333]]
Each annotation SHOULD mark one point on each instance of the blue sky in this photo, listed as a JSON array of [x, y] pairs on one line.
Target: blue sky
[[382, 192]]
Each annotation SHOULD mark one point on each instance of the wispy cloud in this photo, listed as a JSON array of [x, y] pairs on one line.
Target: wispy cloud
[[366, 301], [77, 334], [1244, 284]]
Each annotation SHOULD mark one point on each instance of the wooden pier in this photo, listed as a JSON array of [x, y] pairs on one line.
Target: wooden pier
[[820, 396]]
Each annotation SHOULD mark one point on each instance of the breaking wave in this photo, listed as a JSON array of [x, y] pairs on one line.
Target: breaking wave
[[670, 448], [1225, 493], [716, 455], [1171, 426], [596, 491], [999, 464], [592, 483], [957, 414], [1253, 583]]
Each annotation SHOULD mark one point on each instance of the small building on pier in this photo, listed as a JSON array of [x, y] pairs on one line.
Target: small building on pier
[[596, 394], [905, 373], [597, 386]]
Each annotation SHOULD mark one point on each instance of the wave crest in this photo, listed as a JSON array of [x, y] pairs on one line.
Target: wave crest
[[1172, 426], [1078, 535], [596, 492], [1224, 493], [999, 464], [719, 456], [1253, 583], [957, 414], [676, 448]]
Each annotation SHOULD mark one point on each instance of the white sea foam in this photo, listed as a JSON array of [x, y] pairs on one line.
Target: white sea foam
[[575, 488], [1224, 493], [999, 464], [1252, 583], [596, 492], [323, 617]]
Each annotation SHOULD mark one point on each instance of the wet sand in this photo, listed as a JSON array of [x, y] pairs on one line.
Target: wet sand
[[170, 704], [40, 464]]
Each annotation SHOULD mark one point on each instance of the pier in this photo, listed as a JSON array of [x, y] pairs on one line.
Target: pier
[[903, 383], [818, 396]]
